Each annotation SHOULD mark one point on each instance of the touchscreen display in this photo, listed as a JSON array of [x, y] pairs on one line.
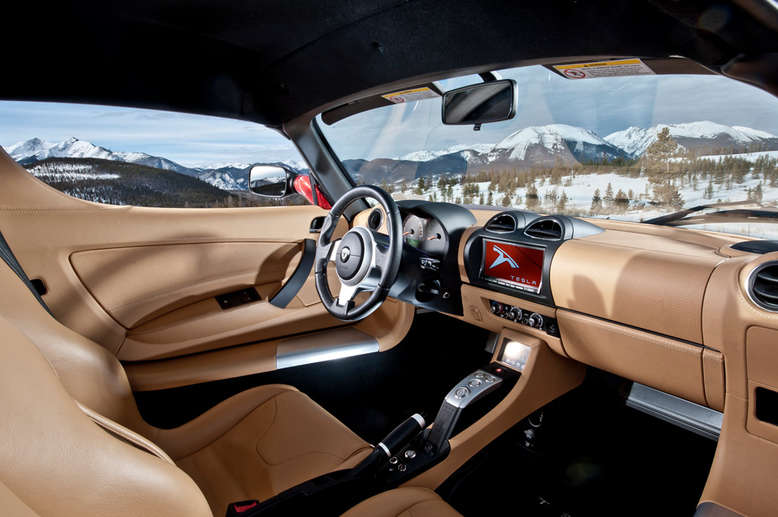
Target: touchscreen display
[[512, 265]]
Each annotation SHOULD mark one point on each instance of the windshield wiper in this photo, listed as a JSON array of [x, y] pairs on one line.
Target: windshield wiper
[[681, 217]]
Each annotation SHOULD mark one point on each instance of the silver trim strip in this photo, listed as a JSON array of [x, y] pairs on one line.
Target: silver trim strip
[[321, 346], [677, 411], [384, 448], [419, 419]]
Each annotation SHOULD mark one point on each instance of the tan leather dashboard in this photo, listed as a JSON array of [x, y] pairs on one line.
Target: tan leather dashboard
[[629, 301], [668, 308]]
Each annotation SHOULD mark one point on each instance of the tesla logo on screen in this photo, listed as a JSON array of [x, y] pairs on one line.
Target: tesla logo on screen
[[513, 265], [502, 258]]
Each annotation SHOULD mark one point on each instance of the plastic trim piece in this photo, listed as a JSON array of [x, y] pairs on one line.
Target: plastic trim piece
[[677, 411], [324, 346], [290, 289], [10, 259]]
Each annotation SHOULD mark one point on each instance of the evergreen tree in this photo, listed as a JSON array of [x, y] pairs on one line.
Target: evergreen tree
[[709, 190], [663, 148], [596, 202], [420, 186], [562, 203], [608, 199]]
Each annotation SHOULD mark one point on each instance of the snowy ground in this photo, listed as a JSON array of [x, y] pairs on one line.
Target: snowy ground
[[580, 188], [70, 172]]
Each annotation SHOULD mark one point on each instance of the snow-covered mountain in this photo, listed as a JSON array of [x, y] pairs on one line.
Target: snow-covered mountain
[[425, 155], [702, 136], [36, 149], [553, 143], [225, 176]]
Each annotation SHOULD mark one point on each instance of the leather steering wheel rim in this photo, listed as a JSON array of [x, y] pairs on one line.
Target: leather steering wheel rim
[[390, 257]]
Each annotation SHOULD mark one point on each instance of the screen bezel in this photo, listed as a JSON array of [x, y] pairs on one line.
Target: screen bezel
[[507, 283]]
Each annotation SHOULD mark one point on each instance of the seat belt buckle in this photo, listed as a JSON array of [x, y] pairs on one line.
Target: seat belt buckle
[[241, 508]]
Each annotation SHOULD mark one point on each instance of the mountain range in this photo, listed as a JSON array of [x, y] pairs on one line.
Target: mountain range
[[536, 146], [228, 176], [560, 144]]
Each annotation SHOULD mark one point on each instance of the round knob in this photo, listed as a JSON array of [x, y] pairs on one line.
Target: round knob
[[461, 392], [515, 314], [495, 307], [535, 320]]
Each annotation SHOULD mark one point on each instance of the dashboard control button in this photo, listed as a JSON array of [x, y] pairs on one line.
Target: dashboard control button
[[401, 467], [461, 392], [393, 460], [475, 383], [480, 375], [410, 454], [514, 314], [535, 320]]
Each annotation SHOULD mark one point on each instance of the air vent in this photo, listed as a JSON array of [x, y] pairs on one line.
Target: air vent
[[501, 223], [763, 286], [547, 229], [375, 219]]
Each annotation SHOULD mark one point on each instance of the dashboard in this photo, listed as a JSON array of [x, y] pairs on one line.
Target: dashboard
[[683, 311]]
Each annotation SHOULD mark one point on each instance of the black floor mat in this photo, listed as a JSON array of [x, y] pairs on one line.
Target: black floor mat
[[593, 456], [371, 393]]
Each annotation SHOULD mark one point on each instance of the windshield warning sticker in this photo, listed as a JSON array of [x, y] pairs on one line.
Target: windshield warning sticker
[[414, 94], [616, 68]]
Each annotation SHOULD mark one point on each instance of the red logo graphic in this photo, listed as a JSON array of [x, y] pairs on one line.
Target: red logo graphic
[[512, 263], [574, 73]]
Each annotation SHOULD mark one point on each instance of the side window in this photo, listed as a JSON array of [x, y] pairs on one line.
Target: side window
[[127, 156]]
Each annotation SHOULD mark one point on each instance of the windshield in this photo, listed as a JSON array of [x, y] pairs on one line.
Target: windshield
[[632, 148]]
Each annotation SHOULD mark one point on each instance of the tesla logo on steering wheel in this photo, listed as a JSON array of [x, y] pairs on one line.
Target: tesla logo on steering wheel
[[345, 253], [503, 257]]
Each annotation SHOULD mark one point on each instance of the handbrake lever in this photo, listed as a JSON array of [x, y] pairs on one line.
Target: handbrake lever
[[393, 443]]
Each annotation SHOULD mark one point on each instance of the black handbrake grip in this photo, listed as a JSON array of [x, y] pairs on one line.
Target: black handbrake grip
[[392, 444], [402, 435]]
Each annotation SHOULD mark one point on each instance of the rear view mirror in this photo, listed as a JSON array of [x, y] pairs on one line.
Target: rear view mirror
[[272, 181], [480, 103]]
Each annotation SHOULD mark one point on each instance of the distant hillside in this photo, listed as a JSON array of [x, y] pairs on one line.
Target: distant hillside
[[231, 176]]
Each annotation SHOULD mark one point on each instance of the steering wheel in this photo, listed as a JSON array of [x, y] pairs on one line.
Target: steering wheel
[[365, 260]]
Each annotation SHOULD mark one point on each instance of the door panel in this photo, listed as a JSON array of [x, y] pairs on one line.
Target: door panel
[[142, 281], [175, 274]]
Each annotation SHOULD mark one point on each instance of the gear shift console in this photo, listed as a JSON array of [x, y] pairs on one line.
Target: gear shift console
[[467, 391]]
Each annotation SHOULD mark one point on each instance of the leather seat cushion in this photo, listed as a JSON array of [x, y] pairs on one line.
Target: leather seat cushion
[[284, 440], [404, 502]]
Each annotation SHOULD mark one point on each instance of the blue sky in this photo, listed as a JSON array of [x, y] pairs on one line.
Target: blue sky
[[601, 105], [188, 139]]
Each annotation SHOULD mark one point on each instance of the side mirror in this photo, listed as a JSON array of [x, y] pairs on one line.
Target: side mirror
[[272, 181], [480, 103]]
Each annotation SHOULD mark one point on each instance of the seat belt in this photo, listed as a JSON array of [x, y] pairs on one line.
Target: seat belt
[[10, 259]]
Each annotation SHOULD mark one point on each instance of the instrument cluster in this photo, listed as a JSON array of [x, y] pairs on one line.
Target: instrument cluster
[[425, 234]]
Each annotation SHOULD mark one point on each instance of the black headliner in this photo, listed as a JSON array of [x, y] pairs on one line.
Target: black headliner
[[275, 60]]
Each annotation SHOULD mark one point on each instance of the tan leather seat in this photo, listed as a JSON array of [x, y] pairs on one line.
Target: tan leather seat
[[61, 458], [251, 446], [405, 502]]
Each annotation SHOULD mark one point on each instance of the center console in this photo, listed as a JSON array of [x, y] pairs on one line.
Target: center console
[[408, 450]]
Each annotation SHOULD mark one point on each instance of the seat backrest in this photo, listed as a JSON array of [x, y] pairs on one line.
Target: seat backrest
[[90, 373], [55, 461]]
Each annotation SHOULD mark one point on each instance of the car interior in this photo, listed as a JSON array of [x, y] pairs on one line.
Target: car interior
[[316, 358]]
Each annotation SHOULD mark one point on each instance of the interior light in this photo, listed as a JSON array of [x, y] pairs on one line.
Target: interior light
[[516, 354]]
